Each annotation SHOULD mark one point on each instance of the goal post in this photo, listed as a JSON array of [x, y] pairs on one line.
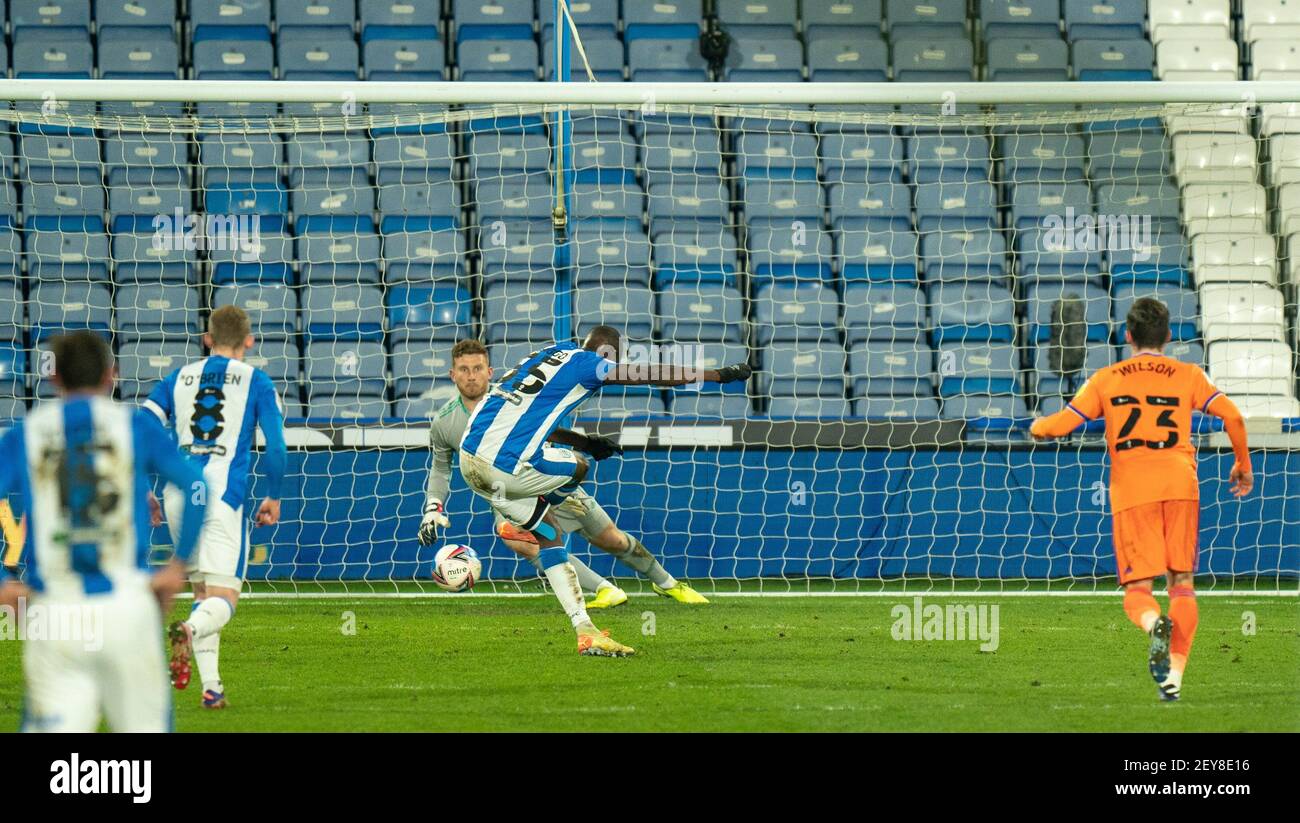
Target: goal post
[[914, 270]]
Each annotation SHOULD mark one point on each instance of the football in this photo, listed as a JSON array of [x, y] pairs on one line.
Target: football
[[456, 568]]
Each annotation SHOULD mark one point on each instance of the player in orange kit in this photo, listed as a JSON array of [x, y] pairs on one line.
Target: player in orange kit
[[1147, 402]]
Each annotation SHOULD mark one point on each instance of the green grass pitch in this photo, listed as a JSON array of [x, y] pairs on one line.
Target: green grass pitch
[[740, 664]]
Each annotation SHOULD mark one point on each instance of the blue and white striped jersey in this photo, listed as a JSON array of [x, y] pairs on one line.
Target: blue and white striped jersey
[[82, 467], [214, 405], [509, 427]]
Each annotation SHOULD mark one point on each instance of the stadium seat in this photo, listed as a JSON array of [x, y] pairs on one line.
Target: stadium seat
[[137, 53], [1179, 19], [1033, 203], [418, 368], [1182, 303], [516, 250], [862, 158], [1046, 157], [891, 368], [1252, 368], [694, 201], [72, 158], [400, 201], [1198, 60], [423, 314], [518, 312], [1234, 258], [971, 311], [273, 309], [1054, 253], [664, 60], [842, 56], [593, 17], [13, 321], [963, 254], [933, 59], [54, 256], [1019, 20], [317, 54], [802, 369], [403, 53], [339, 254], [1241, 312], [976, 368], [54, 53], [786, 312], [614, 251], [141, 363], [56, 306], [781, 250], [934, 158], [1103, 19], [876, 254], [266, 259], [691, 255], [380, 17], [918, 19], [415, 252], [679, 20], [147, 14], [1112, 59], [233, 53], [146, 158], [623, 402], [496, 60], [1235, 209], [883, 312], [811, 407], [348, 312], [1022, 60], [701, 312], [767, 59], [1041, 299], [156, 309], [896, 408], [777, 156], [622, 307], [1123, 155], [1165, 259], [516, 197], [955, 205]]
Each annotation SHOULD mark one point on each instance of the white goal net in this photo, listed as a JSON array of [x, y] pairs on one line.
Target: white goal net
[[911, 281]]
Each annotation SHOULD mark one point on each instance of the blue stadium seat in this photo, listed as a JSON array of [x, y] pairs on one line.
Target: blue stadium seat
[[1103, 19], [1047, 157], [891, 368], [278, 357], [1054, 254], [973, 368], [665, 60], [425, 314], [803, 369], [332, 198], [400, 201], [339, 254], [146, 158], [497, 60], [338, 369], [934, 60], [948, 157], [517, 251], [63, 158], [925, 19], [492, 155], [810, 407], [491, 20], [1182, 302], [1187, 351], [266, 260], [416, 253], [971, 311], [141, 363], [677, 20], [61, 17], [1113, 60], [424, 405], [604, 53], [13, 319], [1120, 155], [72, 205], [667, 154], [620, 402], [380, 17], [688, 202], [326, 17], [829, 16], [607, 202], [779, 249], [879, 311], [727, 406], [405, 55], [955, 205], [785, 312], [593, 17], [272, 308], [154, 14], [244, 158], [412, 157], [343, 312], [765, 60], [965, 407], [347, 407], [963, 254], [882, 206], [270, 201], [862, 158], [700, 312], [233, 53], [10, 253], [877, 254], [1050, 382], [209, 17], [1041, 298], [137, 53], [695, 254], [13, 372], [1033, 203], [604, 157], [896, 408], [312, 54], [56, 306], [156, 309], [1023, 60], [771, 19], [418, 368], [610, 251], [1020, 20], [782, 200], [54, 255], [623, 307], [339, 159], [518, 312], [516, 197], [843, 56], [1139, 197], [139, 207], [779, 156]]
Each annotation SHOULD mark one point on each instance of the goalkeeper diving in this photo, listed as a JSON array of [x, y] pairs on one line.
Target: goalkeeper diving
[[580, 512], [513, 452]]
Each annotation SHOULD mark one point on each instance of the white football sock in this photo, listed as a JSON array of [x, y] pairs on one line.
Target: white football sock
[[564, 582], [210, 616], [206, 651], [639, 558], [589, 580]]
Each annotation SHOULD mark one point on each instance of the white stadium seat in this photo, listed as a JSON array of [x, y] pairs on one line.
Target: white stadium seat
[[1245, 368], [1214, 158], [1189, 18], [1237, 209], [1234, 258], [1227, 118], [1275, 60], [1262, 19], [1288, 209], [1197, 60], [1257, 405], [1279, 118], [1241, 312], [1284, 159]]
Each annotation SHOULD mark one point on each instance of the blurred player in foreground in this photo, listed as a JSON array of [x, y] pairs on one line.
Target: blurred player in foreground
[[82, 464], [1147, 402], [214, 404], [507, 456], [579, 513]]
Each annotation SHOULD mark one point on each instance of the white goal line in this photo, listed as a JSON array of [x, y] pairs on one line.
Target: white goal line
[[796, 94], [291, 596]]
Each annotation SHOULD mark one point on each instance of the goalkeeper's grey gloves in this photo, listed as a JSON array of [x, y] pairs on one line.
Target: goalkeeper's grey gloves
[[434, 518]]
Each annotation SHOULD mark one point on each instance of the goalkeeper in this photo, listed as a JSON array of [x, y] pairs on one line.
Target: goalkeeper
[[579, 513]]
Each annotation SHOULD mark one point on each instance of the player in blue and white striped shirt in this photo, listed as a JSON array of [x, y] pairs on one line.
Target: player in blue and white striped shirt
[[81, 465], [506, 456], [214, 405]]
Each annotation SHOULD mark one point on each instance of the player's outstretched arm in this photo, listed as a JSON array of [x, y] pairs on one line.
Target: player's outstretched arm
[[670, 374], [164, 459], [1240, 477], [1084, 408], [436, 489], [275, 460], [598, 446]]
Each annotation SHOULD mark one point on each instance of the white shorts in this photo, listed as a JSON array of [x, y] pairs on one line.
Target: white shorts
[[518, 497], [118, 671], [221, 556], [578, 513]]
